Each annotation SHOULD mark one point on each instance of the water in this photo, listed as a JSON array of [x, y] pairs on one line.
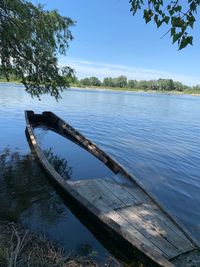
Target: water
[[155, 136], [69, 159]]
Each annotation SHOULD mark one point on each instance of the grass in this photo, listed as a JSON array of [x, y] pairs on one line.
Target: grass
[[21, 248]]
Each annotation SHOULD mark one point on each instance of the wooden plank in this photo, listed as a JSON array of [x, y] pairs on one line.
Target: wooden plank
[[94, 190], [157, 220], [90, 190], [155, 227], [142, 197], [118, 191], [191, 259], [149, 217], [98, 191], [146, 229]]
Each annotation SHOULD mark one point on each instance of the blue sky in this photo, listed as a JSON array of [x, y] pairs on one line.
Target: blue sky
[[109, 41]]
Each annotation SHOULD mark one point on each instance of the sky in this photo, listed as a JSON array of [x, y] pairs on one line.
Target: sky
[[109, 41]]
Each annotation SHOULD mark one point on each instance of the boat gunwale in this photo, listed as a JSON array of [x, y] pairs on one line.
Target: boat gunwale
[[153, 255]]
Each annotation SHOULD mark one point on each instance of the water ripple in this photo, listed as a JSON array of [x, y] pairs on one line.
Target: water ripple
[[155, 136]]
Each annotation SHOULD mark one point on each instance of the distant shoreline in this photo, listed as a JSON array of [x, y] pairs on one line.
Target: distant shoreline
[[189, 92], [138, 90], [16, 82]]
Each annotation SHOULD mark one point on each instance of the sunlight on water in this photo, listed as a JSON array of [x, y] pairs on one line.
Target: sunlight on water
[[155, 136]]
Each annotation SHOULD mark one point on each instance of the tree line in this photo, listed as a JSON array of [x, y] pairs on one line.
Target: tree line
[[122, 82]]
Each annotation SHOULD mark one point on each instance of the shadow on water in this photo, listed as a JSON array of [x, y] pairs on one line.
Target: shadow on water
[[27, 197], [23, 184]]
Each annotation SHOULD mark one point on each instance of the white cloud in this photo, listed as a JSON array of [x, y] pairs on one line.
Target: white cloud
[[101, 70]]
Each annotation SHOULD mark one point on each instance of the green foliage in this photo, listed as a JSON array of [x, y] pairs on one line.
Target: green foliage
[[180, 18], [92, 81], [132, 83], [143, 85], [30, 40], [12, 75], [108, 82], [166, 84], [121, 82]]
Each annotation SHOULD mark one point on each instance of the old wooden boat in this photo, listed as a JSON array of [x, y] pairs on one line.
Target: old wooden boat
[[120, 202]]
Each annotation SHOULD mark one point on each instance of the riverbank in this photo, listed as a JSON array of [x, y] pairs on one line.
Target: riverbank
[[186, 92], [6, 81], [20, 247]]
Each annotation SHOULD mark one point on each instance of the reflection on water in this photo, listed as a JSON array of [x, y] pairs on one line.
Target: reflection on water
[[23, 186], [67, 156], [27, 196], [59, 164]]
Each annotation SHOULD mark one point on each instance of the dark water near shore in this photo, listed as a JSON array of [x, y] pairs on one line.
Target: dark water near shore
[[155, 136]]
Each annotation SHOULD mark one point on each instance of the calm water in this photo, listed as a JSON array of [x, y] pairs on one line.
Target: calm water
[[69, 159], [155, 136]]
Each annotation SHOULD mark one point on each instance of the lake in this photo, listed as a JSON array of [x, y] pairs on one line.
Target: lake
[[156, 137]]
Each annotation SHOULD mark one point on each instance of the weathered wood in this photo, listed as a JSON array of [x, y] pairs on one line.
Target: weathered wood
[[124, 207], [143, 220], [159, 218], [100, 198], [190, 259], [135, 191]]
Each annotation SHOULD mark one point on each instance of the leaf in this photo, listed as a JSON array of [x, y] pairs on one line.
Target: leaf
[[185, 41], [147, 15], [191, 20], [177, 8], [177, 22], [173, 31], [166, 19], [176, 37]]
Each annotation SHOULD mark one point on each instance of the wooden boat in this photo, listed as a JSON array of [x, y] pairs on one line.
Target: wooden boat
[[121, 204]]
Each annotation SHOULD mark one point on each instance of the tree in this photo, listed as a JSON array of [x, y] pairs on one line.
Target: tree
[[120, 81], [85, 82], [143, 85], [132, 83], [178, 86], [94, 81], [108, 81], [180, 17], [165, 84], [30, 40]]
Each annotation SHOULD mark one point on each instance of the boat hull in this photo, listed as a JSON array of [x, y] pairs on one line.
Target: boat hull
[[125, 209]]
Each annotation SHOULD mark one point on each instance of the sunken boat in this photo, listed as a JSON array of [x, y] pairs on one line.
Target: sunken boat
[[119, 202]]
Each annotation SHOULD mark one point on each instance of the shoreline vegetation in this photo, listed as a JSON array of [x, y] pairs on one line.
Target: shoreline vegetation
[[165, 86], [121, 83], [188, 92], [21, 247]]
